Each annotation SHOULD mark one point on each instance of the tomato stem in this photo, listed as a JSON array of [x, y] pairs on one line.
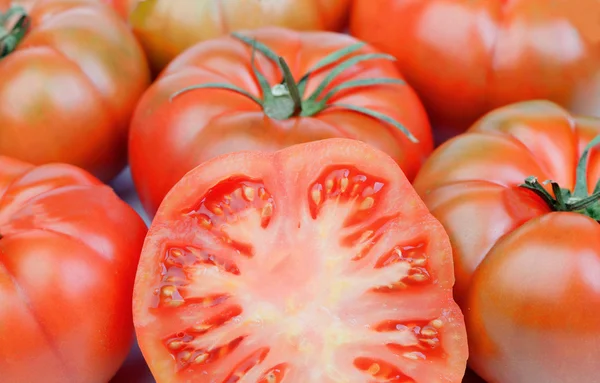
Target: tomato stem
[[285, 99], [10, 38], [563, 200]]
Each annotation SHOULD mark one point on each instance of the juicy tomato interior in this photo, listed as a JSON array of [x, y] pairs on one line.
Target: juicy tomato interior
[[275, 268]]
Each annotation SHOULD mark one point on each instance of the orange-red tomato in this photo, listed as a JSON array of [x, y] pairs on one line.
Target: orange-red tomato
[[316, 263], [69, 249], [527, 266], [467, 57], [171, 134], [68, 89], [168, 27]]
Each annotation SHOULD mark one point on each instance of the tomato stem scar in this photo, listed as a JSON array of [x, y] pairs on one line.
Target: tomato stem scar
[[10, 38], [563, 199], [286, 100]]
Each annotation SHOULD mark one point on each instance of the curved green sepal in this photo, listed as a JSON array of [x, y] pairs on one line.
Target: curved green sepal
[[336, 71], [379, 116], [331, 58], [10, 39], [262, 48], [217, 85], [581, 186]]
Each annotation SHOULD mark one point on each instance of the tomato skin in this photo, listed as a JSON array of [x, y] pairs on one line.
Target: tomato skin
[[68, 256], [166, 28], [517, 50], [76, 107], [525, 276], [290, 274], [201, 124]]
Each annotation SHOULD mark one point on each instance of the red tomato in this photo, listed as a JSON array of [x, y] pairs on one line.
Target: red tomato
[[316, 263], [166, 27], [344, 89], [527, 263], [466, 57], [68, 89], [68, 254]]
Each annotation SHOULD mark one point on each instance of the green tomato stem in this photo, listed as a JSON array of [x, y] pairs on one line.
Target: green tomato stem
[[563, 200], [285, 99]]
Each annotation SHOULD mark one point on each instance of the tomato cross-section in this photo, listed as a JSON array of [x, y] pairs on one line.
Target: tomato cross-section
[[316, 263]]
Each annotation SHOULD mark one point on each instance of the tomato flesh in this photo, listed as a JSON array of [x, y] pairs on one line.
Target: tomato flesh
[[296, 271]]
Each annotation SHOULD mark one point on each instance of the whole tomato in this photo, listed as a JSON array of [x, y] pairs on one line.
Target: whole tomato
[[69, 249], [526, 252], [267, 89], [168, 27], [465, 58], [70, 76], [315, 263]]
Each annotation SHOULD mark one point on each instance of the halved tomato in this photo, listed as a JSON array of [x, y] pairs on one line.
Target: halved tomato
[[316, 263]]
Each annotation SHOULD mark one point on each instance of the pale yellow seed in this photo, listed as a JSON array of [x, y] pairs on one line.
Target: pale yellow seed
[[175, 345], [344, 182], [168, 291], [374, 369], [419, 277], [397, 285], [216, 210], [429, 332], [367, 203], [419, 262], [201, 358], [431, 342], [415, 355], [437, 323], [267, 210], [248, 193], [185, 356], [365, 236], [316, 196], [262, 193], [271, 378], [175, 303], [205, 221], [176, 252], [329, 186], [202, 327]]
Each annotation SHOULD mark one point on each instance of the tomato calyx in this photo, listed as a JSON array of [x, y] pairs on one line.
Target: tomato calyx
[[285, 99], [11, 37], [579, 200]]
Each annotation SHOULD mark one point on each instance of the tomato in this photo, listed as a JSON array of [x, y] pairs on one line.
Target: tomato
[[526, 255], [69, 86], [213, 100], [316, 263], [69, 249], [166, 27], [465, 58]]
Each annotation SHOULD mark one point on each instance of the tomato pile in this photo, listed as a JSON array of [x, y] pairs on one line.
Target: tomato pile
[[339, 191]]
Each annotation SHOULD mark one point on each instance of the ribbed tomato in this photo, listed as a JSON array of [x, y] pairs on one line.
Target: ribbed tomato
[[222, 96], [465, 58], [71, 74], [166, 27], [316, 263], [526, 253], [69, 249]]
